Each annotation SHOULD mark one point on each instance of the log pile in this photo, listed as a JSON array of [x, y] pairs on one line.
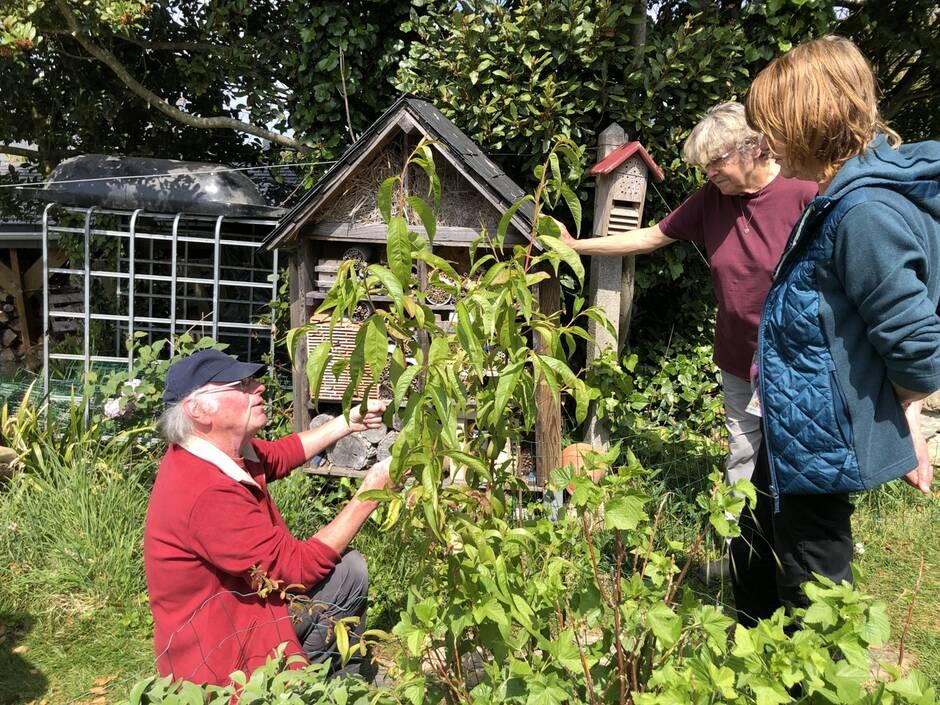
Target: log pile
[[357, 451], [12, 345]]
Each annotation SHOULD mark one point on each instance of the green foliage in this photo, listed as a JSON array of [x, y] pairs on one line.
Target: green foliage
[[285, 66], [677, 388], [135, 397], [71, 523], [278, 681], [508, 605]]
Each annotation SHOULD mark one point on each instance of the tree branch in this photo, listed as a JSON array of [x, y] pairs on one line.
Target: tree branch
[[210, 123], [199, 47]]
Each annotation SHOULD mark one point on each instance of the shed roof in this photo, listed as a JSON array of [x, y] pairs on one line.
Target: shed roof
[[622, 154], [491, 181]]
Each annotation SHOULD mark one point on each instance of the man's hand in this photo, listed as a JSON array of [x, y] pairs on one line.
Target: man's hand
[[377, 478], [371, 419], [921, 476]]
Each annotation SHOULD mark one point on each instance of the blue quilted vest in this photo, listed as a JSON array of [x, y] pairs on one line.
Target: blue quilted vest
[[806, 426]]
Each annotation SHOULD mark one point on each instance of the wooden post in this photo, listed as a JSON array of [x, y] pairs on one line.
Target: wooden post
[[299, 284], [607, 275], [20, 297], [548, 419]]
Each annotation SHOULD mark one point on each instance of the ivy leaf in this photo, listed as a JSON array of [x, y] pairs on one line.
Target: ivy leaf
[[399, 250]]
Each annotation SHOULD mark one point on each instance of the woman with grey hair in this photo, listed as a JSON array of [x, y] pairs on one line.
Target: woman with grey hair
[[742, 217]]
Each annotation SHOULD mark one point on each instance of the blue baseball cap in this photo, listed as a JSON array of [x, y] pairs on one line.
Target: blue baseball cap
[[189, 374]]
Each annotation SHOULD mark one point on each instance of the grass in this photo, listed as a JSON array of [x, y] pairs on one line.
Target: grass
[[896, 529], [75, 627]]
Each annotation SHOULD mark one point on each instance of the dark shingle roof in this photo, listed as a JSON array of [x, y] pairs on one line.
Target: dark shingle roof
[[486, 175]]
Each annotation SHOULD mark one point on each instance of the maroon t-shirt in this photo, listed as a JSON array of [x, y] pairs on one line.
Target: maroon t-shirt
[[743, 237]]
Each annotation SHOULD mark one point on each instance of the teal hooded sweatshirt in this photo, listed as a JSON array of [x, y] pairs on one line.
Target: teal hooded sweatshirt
[[851, 313]]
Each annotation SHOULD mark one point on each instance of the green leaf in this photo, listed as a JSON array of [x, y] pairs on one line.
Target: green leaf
[[508, 379], [565, 253], [317, 360], [376, 346], [389, 281], [399, 250], [404, 384], [342, 641], [438, 263], [384, 197], [664, 623], [423, 209], [574, 205], [624, 512], [507, 219]]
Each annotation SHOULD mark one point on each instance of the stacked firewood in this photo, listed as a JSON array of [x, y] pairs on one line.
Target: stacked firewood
[[357, 451], [12, 345]]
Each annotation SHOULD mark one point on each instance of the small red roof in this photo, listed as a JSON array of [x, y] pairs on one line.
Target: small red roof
[[622, 154]]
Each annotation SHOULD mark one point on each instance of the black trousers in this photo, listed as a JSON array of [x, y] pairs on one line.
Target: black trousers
[[777, 553]]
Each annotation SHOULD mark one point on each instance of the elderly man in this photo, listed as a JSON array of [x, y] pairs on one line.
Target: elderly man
[[742, 217], [214, 536]]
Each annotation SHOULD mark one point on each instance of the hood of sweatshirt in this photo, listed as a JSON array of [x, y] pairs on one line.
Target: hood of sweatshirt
[[913, 170]]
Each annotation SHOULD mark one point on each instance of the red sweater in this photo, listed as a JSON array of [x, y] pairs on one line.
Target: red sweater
[[204, 533]]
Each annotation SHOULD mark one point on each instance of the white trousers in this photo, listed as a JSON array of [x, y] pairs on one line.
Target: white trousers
[[744, 433]]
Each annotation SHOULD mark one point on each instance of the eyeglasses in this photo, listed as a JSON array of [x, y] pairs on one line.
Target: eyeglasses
[[242, 385], [720, 160]]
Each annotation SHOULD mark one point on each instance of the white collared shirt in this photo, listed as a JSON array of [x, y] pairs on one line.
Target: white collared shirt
[[204, 450]]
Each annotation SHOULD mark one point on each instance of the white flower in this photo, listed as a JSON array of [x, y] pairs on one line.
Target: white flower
[[11, 526], [112, 408], [133, 383], [860, 549]]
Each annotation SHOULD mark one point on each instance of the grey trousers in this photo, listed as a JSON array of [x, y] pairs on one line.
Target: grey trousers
[[744, 434], [343, 593]]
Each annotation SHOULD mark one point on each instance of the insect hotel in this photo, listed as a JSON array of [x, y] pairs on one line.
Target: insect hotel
[[339, 219]]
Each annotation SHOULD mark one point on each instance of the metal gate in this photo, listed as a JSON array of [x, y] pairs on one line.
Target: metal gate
[[154, 273]]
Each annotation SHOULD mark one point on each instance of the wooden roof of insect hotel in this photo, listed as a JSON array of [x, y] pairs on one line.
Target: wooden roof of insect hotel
[[617, 157], [475, 191]]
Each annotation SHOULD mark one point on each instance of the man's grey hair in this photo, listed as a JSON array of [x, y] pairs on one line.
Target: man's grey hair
[[176, 425], [724, 127]]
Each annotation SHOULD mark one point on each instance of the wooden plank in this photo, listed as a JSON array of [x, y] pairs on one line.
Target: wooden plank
[[330, 470], [20, 299], [32, 279], [607, 280], [548, 421], [9, 281], [377, 232]]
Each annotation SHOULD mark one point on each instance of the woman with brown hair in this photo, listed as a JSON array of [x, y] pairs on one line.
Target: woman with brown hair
[[849, 338]]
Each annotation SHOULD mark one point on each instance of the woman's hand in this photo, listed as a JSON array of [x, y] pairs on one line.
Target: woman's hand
[[921, 476], [372, 418]]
